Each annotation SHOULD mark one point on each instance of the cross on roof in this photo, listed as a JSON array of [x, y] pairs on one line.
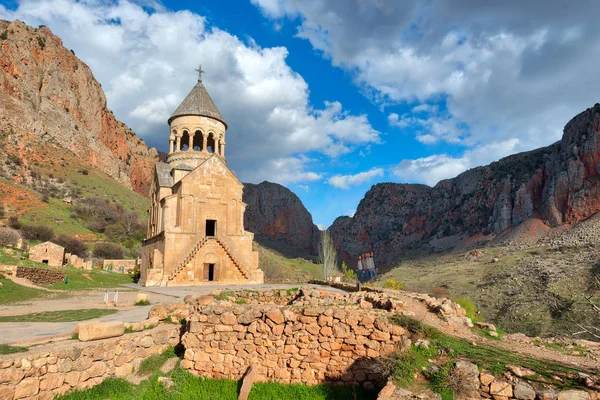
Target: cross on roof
[[200, 72]]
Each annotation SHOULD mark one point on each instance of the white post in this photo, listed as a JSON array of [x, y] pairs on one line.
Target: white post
[[116, 298], [106, 297]]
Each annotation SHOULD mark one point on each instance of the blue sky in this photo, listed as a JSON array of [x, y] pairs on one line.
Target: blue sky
[[329, 97]]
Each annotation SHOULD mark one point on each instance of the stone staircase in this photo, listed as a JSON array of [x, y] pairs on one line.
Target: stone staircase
[[182, 264], [239, 265], [223, 243]]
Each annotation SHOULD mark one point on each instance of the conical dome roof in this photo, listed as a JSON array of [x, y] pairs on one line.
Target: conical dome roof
[[198, 102]]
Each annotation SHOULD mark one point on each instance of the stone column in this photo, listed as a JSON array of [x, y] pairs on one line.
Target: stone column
[[178, 143], [171, 142], [204, 141], [191, 141], [222, 152]]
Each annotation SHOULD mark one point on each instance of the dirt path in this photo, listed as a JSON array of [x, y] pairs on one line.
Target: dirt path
[[463, 332], [27, 283]]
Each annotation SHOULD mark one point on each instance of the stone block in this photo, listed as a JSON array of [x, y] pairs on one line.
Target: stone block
[[573, 395], [28, 387], [100, 330], [141, 297], [501, 388]]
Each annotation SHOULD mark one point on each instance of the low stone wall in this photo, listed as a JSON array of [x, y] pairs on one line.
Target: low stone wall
[[290, 345], [71, 365], [8, 270], [277, 297], [40, 276]]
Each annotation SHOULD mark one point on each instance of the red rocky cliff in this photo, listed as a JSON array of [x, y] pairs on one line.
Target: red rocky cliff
[[48, 97], [559, 184], [276, 214]]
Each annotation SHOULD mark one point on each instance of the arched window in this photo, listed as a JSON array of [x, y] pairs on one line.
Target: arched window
[[185, 141], [211, 145], [197, 141]]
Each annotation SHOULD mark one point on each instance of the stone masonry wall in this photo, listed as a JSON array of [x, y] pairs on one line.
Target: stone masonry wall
[[290, 344], [70, 365], [40, 276]]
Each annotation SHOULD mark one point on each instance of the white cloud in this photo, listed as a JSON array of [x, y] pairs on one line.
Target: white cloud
[[346, 181], [145, 61], [502, 71], [432, 169]]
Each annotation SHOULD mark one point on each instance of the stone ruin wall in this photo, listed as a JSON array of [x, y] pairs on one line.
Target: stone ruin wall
[[296, 336], [40, 276], [304, 343], [70, 365]]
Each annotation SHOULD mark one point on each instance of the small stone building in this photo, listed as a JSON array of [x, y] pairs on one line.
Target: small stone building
[[48, 253], [121, 266], [196, 218]]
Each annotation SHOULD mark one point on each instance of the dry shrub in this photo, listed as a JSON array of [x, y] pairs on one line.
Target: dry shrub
[[9, 237], [439, 292]]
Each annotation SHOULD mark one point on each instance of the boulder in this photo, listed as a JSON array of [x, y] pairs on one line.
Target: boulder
[[159, 311], [501, 388], [100, 330], [573, 395], [205, 300], [523, 391]]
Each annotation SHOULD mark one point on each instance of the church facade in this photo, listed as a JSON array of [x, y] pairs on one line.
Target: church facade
[[196, 217]]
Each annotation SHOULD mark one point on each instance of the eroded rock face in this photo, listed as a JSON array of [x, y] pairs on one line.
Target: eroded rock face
[[275, 212], [48, 97], [558, 184]]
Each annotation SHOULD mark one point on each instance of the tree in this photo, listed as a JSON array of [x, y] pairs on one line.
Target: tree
[[9, 237], [72, 245], [37, 232], [328, 255], [13, 222], [108, 251]]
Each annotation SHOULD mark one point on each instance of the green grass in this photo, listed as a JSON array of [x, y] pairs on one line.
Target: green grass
[[60, 316], [15, 259], [469, 307], [188, 386], [224, 295], [81, 280], [276, 266], [575, 350], [155, 361], [142, 303], [57, 215], [6, 349], [486, 357], [10, 292]]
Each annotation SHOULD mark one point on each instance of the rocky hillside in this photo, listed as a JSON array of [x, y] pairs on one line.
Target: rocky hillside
[[50, 99], [279, 219], [558, 185]]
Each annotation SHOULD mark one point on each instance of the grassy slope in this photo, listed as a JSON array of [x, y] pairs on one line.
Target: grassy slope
[[10, 292], [276, 266], [511, 292]]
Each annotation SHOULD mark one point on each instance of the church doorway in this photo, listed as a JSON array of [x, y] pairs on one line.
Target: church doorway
[[211, 227], [209, 272]]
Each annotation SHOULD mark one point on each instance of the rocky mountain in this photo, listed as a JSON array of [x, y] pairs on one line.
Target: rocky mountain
[[558, 184], [279, 219], [50, 99]]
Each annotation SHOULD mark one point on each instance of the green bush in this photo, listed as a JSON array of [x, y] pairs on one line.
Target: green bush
[[393, 284], [348, 274], [469, 307]]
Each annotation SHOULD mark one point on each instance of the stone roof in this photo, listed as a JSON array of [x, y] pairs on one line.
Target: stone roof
[[163, 172], [198, 102]]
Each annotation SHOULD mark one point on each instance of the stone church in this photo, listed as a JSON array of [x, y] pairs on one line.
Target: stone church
[[196, 218]]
